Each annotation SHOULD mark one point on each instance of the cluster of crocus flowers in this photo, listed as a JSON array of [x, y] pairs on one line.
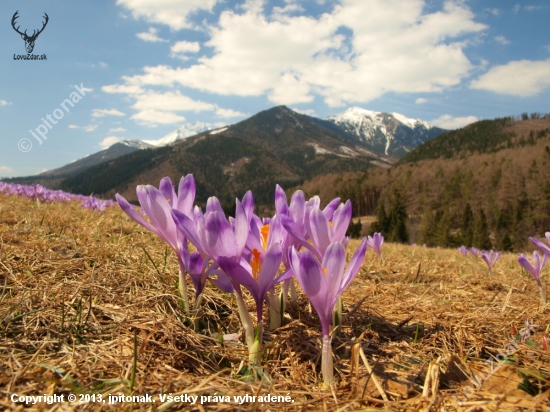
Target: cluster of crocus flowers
[[44, 194], [535, 265], [300, 240], [464, 250]]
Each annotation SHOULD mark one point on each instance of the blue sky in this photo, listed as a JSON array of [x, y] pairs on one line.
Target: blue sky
[[149, 67]]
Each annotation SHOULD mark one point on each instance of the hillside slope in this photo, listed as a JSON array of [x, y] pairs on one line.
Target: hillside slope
[[498, 167], [274, 146]]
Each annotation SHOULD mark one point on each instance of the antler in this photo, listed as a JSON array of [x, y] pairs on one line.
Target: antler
[[43, 26], [15, 16]]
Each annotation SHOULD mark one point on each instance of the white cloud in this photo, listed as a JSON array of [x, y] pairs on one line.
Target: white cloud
[[4, 103], [185, 47], [516, 8], [227, 113], [170, 102], [150, 36], [494, 12], [387, 46], [152, 118], [117, 130], [6, 169], [502, 40], [109, 141], [449, 122], [521, 78], [106, 112], [88, 128], [122, 88], [533, 8], [421, 100], [172, 13], [103, 64], [308, 112], [179, 49]]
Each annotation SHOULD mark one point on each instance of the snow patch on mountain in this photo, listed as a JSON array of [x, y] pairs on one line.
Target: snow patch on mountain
[[138, 144], [185, 131]]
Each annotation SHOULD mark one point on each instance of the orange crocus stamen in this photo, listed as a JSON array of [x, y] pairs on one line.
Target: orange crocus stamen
[[325, 271], [256, 263], [264, 232]]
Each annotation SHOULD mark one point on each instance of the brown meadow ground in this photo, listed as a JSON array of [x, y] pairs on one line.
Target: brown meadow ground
[[89, 305]]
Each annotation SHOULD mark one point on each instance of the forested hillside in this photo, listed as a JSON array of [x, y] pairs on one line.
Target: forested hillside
[[494, 194]]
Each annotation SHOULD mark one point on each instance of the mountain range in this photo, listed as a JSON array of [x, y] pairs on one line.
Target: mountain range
[[278, 145], [390, 134]]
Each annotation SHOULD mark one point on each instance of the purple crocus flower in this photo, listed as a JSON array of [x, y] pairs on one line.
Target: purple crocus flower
[[535, 267], [541, 245], [375, 242], [464, 250], [474, 251], [323, 284], [490, 258], [157, 205]]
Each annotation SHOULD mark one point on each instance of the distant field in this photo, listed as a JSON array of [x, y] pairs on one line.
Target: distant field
[[89, 305]]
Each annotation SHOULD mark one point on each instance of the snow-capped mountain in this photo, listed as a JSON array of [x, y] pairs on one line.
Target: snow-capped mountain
[[389, 133], [185, 131]]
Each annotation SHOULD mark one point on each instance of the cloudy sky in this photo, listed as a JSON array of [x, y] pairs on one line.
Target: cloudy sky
[[144, 68]]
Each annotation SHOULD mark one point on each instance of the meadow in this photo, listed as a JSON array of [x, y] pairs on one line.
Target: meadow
[[89, 305]]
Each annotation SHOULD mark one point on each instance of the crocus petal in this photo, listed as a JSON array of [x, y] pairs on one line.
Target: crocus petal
[[334, 261], [130, 211], [523, 261], [281, 205], [320, 230], [276, 232], [159, 211], [186, 226], [542, 246], [167, 189], [220, 238], [213, 205], [354, 265], [193, 263], [314, 285], [248, 205], [241, 227], [292, 229], [186, 195], [340, 222], [222, 282], [298, 207], [270, 266], [331, 207], [240, 276]]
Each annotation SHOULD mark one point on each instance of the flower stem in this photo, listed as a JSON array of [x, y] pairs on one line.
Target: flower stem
[[276, 309], [326, 361], [183, 289], [542, 295], [245, 319]]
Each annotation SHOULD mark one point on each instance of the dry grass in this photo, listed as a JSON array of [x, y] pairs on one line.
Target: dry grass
[[80, 297]]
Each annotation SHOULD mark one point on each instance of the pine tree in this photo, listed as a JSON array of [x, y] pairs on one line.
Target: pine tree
[[443, 230], [481, 232], [467, 226], [397, 220], [428, 228], [382, 222], [506, 244]]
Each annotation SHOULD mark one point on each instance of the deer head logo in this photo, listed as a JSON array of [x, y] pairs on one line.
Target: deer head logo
[[29, 40]]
